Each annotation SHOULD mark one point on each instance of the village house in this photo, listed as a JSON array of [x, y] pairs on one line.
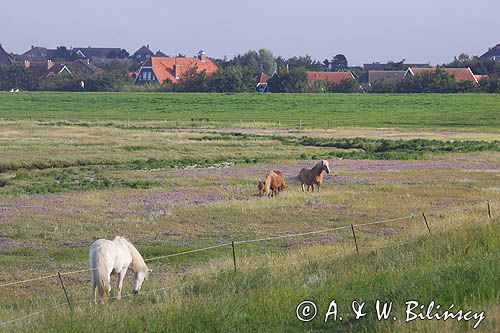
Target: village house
[[98, 53], [377, 66], [385, 76], [45, 69], [5, 58], [84, 67], [35, 53], [261, 80], [492, 54], [173, 69], [332, 77], [143, 54], [460, 74]]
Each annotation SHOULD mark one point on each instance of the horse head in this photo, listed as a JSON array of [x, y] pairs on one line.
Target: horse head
[[262, 187], [323, 165], [138, 278]]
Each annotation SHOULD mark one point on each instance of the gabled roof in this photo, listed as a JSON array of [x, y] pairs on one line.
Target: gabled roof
[[262, 78], [493, 52], [41, 69], [36, 53], [96, 52], [333, 77], [144, 50], [460, 74], [160, 54], [174, 69], [36, 68], [84, 66], [5, 58], [377, 66], [392, 76], [481, 77], [56, 69]]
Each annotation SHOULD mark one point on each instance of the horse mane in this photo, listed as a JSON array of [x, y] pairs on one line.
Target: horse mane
[[321, 165], [138, 264]]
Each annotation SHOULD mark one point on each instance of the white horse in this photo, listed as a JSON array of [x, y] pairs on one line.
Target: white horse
[[117, 256]]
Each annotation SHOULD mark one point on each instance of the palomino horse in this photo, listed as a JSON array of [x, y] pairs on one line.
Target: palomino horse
[[117, 256], [313, 176], [273, 183]]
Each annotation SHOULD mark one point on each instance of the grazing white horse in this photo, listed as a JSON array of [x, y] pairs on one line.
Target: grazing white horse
[[116, 256]]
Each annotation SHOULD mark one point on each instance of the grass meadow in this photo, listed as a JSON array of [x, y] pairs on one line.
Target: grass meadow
[[181, 185], [434, 111]]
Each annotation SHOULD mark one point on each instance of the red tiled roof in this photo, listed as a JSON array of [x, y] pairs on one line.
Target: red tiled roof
[[263, 78], [173, 69], [461, 74], [334, 77], [481, 77]]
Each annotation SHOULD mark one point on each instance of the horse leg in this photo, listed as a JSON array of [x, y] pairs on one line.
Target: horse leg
[[303, 187], [95, 294], [120, 283]]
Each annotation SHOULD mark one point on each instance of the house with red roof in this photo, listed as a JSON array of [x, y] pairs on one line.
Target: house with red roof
[[261, 80], [460, 74], [332, 77], [173, 69], [44, 69]]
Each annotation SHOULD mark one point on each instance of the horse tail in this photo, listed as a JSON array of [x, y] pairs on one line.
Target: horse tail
[[100, 278]]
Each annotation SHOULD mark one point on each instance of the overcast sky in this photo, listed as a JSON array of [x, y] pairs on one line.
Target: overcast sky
[[364, 30]]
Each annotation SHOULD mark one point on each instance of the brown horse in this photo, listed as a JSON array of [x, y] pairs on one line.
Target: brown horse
[[273, 183], [313, 176]]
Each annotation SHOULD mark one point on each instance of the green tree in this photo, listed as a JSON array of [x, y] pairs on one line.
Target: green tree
[[290, 81], [267, 62], [16, 77], [232, 79], [339, 63]]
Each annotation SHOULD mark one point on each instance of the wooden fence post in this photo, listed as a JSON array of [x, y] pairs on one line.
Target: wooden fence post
[[489, 209], [427, 224], [64, 289], [234, 256], [355, 240]]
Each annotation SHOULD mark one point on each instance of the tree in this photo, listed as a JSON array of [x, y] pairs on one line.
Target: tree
[[267, 62], [290, 81], [339, 63], [16, 76], [255, 61], [326, 64], [232, 79], [305, 62]]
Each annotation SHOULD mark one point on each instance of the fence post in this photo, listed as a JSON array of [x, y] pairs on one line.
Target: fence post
[[64, 289], [427, 224], [300, 124], [489, 209], [355, 240], [234, 256]]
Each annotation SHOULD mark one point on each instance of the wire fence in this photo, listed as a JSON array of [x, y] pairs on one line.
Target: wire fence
[[188, 121], [233, 243]]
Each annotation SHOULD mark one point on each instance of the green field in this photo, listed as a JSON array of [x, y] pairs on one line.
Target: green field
[[66, 180], [468, 111]]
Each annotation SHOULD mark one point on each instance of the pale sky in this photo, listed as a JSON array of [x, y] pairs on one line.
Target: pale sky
[[365, 31]]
